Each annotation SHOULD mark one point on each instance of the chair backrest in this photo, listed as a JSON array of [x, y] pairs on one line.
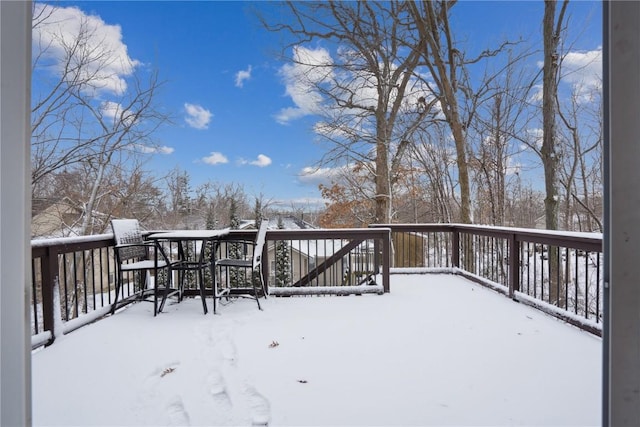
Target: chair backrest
[[127, 233], [260, 239]]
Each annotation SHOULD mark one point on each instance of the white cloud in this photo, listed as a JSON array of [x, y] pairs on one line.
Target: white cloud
[[580, 69], [583, 70], [107, 62], [110, 109], [534, 136], [312, 71], [116, 112], [164, 150], [309, 68], [290, 114], [243, 75], [154, 150], [198, 117], [316, 176], [215, 158], [536, 94], [261, 161]]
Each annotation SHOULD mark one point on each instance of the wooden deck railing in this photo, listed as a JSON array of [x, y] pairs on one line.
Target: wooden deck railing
[[73, 278], [560, 273], [72, 284]]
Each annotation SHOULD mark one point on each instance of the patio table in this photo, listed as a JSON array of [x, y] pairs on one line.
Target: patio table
[[198, 263]]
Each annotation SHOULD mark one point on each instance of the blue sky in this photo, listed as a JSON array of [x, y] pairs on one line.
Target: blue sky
[[227, 94]]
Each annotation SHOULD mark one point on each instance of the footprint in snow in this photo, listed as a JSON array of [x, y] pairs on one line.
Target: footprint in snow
[[259, 407], [222, 405], [218, 389], [228, 351], [216, 383], [177, 413]]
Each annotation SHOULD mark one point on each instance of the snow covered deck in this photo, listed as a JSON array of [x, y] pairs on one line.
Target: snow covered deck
[[437, 350]]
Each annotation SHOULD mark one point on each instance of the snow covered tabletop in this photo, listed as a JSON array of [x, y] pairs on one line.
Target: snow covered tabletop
[[189, 234]]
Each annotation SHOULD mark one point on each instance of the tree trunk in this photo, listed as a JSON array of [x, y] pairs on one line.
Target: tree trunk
[[382, 183], [551, 36], [439, 58], [91, 203], [549, 90]]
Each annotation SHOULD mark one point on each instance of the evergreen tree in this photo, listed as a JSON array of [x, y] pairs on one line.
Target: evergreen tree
[[236, 277], [283, 263], [257, 213], [210, 224]]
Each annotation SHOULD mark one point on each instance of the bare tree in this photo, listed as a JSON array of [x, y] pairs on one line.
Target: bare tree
[[524, 205], [450, 82], [91, 109], [132, 193], [213, 199], [436, 44], [179, 197], [351, 204], [435, 159], [495, 145], [367, 94], [126, 128], [580, 166]]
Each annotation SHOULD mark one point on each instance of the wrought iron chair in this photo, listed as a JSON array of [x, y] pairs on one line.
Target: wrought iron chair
[[253, 264], [133, 254]]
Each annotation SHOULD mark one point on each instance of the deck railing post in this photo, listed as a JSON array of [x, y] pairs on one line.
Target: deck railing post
[[50, 274], [514, 264], [264, 265], [386, 260], [455, 256], [376, 255]]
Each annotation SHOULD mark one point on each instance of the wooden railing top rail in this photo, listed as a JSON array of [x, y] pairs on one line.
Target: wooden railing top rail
[[66, 241], [88, 242], [526, 234], [578, 240], [328, 233]]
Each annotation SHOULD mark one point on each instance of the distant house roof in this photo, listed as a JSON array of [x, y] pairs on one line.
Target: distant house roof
[[59, 219]]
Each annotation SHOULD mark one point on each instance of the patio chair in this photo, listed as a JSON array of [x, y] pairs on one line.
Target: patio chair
[[133, 255], [254, 265]]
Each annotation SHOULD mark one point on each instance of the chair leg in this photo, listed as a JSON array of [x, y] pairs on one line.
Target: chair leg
[[115, 299], [215, 298], [155, 294], [167, 289], [262, 286], [181, 276], [202, 294], [144, 276], [214, 289], [255, 288]]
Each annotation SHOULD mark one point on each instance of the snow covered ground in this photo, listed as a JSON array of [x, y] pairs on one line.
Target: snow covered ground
[[437, 350]]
